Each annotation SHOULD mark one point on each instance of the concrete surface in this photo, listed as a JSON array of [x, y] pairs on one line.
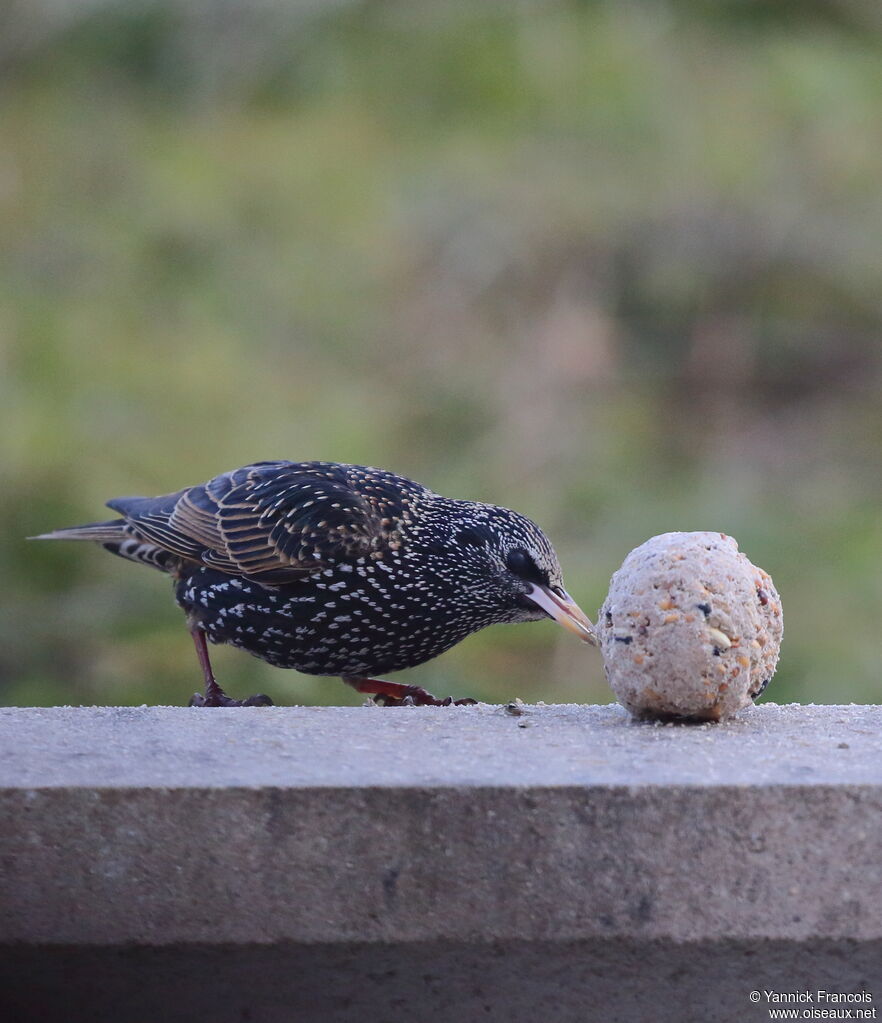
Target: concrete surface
[[434, 863]]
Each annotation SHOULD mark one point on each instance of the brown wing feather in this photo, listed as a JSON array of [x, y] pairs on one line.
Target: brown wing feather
[[196, 522], [276, 522]]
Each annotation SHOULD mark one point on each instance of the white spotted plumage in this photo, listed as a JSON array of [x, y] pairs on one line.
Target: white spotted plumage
[[332, 569]]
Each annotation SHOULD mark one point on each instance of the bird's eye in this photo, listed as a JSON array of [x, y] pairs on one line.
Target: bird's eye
[[520, 563]]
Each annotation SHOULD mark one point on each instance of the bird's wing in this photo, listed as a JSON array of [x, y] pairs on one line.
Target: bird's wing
[[277, 521]]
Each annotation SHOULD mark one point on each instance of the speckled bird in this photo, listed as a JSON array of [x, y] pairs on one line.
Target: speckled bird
[[339, 570]]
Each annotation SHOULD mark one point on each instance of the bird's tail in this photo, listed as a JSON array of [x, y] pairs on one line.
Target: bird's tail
[[112, 531], [113, 537]]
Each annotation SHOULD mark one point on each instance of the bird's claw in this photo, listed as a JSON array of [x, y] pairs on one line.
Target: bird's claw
[[260, 700], [416, 696]]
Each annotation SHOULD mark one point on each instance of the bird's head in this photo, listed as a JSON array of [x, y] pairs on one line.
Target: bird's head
[[507, 564]]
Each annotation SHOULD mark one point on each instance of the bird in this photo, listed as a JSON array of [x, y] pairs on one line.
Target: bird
[[337, 570]]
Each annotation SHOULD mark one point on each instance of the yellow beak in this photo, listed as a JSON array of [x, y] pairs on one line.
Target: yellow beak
[[564, 610]]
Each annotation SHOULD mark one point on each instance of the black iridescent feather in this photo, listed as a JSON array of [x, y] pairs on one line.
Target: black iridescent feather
[[337, 569]]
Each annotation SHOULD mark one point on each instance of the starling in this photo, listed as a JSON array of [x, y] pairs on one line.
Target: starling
[[337, 569]]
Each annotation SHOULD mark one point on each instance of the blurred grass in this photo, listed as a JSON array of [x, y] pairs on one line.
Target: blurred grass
[[615, 265]]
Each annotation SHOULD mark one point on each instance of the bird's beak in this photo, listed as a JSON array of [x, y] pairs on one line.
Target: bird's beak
[[564, 610]]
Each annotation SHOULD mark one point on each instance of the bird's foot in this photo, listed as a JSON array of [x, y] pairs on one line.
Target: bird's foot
[[414, 701], [214, 696], [222, 700], [415, 696], [396, 694]]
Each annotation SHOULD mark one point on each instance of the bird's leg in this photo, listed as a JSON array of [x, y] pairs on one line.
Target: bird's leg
[[214, 695], [396, 694]]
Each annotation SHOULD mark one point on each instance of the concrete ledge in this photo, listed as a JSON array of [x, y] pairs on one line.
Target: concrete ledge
[[514, 858]]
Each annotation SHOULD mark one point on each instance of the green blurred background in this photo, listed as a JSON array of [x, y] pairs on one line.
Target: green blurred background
[[617, 265]]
